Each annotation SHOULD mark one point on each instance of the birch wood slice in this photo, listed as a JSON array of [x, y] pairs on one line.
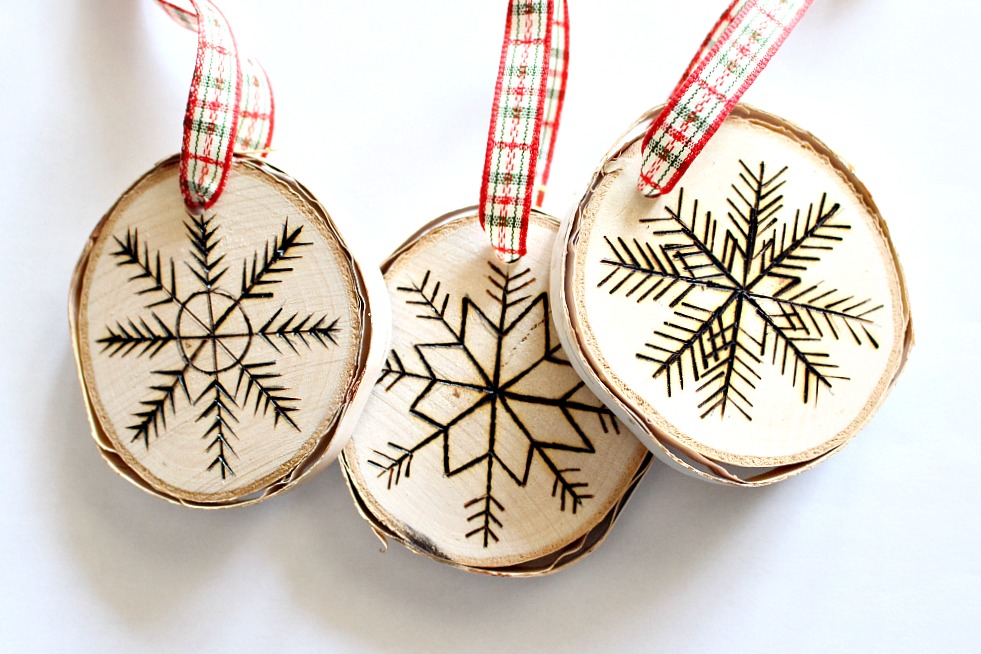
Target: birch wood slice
[[480, 445], [748, 323], [222, 355]]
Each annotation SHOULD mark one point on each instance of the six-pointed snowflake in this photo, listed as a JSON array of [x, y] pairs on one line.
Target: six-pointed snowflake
[[755, 301], [214, 334], [499, 375]]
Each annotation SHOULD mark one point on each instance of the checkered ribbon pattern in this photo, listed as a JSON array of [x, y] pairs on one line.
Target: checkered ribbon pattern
[[229, 107], [524, 122], [735, 52]]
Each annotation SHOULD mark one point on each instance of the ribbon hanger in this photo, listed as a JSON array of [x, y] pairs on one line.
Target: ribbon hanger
[[733, 54], [524, 122], [230, 105]]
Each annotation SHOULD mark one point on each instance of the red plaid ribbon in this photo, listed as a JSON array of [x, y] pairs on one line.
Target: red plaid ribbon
[[524, 120], [229, 107], [735, 52]]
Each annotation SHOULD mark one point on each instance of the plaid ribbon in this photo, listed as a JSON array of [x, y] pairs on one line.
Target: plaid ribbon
[[735, 52], [524, 120], [229, 107]]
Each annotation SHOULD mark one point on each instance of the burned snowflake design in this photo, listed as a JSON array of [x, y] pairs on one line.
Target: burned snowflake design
[[485, 377], [213, 329], [758, 305]]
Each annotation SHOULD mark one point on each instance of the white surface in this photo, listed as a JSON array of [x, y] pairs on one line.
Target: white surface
[[876, 550]]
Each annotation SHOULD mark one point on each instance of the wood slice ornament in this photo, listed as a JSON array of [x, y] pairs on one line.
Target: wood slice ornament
[[222, 346], [480, 446], [748, 321]]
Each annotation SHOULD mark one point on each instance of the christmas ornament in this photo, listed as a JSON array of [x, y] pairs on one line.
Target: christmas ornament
[[222, 328], [480, 446], [743, 311]]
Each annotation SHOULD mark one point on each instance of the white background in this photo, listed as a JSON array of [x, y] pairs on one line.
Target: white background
[[382, 111]]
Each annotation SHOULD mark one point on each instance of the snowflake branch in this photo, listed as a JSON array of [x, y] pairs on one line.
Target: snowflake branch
[[155, 415], [758, 215], [266, 397], [729, 372], [568, 490], [220, 427], [814, 375], [203, 243], [434, 309], [395, 466], [562, 402], [656, 275], [429, 299], [304, 331], [134, 252], [507, 285], [396, 371], [124, 339], [691, 341], [486, 516], [401, 465], [699, 243], [263, 272], [835, 312], [791, 258]]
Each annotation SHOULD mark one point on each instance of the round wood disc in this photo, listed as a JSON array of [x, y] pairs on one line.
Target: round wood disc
[[222, 355], [751, 321], [480, 445]]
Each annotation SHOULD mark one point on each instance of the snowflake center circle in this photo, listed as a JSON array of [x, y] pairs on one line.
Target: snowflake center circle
[[213, 332]]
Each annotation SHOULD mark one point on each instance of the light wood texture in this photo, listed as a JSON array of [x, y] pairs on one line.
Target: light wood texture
[[223, 356], [750, 322], [480, 446]]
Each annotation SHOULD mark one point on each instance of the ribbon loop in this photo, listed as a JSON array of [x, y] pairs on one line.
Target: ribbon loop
[[229, 106], [733, 54], [524, 122]]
